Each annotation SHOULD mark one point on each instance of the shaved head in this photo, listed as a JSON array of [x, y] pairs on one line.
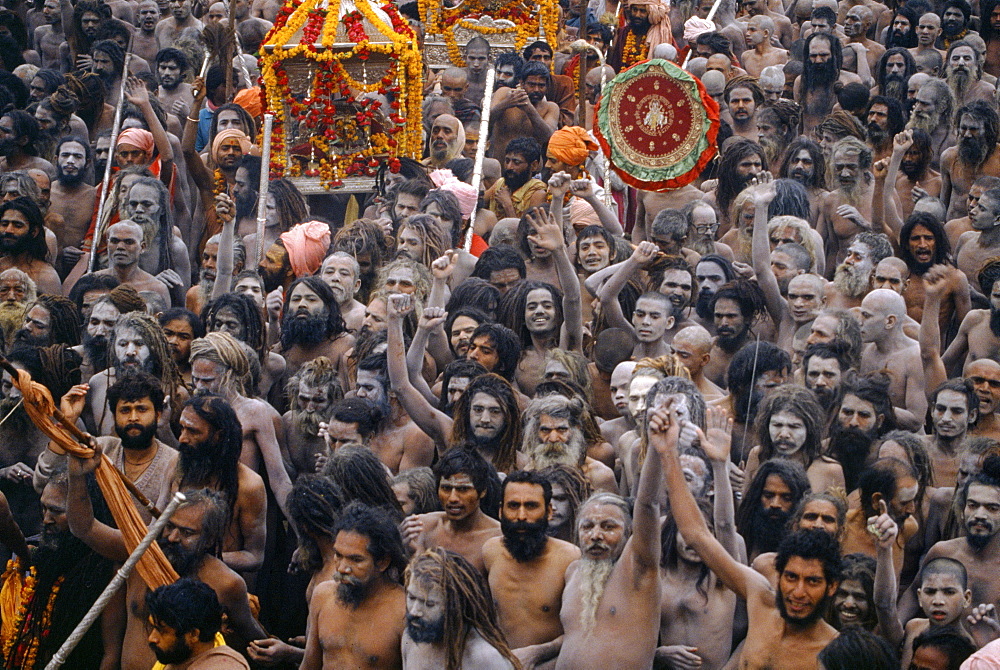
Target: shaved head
[[714, 82], [455, 73], [885, 302], [696, 337], [813, 281], [981, 366]]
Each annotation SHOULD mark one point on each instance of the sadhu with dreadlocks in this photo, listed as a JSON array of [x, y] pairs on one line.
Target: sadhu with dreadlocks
[[137, 343], [357, 618], [451, 620]]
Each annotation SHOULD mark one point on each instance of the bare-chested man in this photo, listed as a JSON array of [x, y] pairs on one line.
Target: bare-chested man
[[219, 364], [311, 395], [462, 480], [72, 197], [22, 244], [932, 108], [341, 272], [526, 568], [761, 53], [964, 74], [980, 245], [611, 605], [847, 210], [928, 31], [621, 377], [963, 224], [523, 110], [976, 154], [857, 22], [692, 346], [125, 246], [144, 43], [356, 619], [787, 629], [889, 349], [782, 31], [170, 28], [813, 89], [50, 36]]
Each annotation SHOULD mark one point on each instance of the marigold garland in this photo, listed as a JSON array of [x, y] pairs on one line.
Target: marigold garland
[[633, 53], [20, 651], [333, 89], [221, 186], [527, 21]]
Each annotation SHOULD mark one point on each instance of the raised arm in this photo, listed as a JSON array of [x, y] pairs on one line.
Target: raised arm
[[435, 340], [777, 308], [646, 517], [584, 189], [435, 423], [663, 435], [594, 282], [199, 172], [935, 286], [717, 447], [885, 577], [608, 293], [890, 215], [103, 539], [431, 318], [225, 208], [548, 235], [137, 93]]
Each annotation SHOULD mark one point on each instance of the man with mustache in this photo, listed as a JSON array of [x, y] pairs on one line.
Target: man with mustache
[[17, 292], [852, 278], [964, 74], [553, 435], [341, 272], [805, 163], [518, 190], [72, 197], [910, 170], [814, 88], [735, 307], [864, 414], [356, 619], [954, 410], [462, 527], [790, 426], [847, 210], [190, 541], [125, 246], [823, 368], [96, 345], [955, 18], [311, 392], [885, 118], [769, 500], [931, 113], [892, 72], [312, 326], [526, 569], [174, 93], [107, 60], [144, 42], [743, 97], [523, 111], [22, 243], [220, 365], [170, 28]]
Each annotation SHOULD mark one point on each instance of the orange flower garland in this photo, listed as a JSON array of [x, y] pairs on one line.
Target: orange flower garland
[[19, 651], [632, 53]]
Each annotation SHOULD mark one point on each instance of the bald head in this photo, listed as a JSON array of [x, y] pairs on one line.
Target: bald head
[[594, 76], [695, 336], [719, 62], [886, 302], [692, 346], [980, 366], [715, 82], [891, 273], [665, 51], [762, 22], [126, 227], [696, 66]]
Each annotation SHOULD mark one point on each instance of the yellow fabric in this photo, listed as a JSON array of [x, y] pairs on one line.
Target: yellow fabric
[[521, 197], [219, 642], [10, 600]]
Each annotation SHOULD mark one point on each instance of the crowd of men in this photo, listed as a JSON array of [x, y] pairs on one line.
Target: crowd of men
[[557, 422]]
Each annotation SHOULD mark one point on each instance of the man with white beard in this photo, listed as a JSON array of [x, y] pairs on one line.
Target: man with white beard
[[975, 155], [847, 210], [553, 435], [611, 605], [852, 278], [342, 274], [932, 107], [17, 292], [964, 74]]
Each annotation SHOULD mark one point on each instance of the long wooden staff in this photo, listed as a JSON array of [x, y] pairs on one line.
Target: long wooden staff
[[484, 131], [265, 172]]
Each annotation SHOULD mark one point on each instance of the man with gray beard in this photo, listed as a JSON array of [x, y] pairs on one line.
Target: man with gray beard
[[17, 291], [976, 155], [342, 274], [311, 394], [611, 605], [553, 435], [931, 113], [852, 278], [847, 210], [964, 73]]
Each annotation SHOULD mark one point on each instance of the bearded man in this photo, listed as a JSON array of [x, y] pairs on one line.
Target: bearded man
[[447, 139], [768, 503], [885, 118], [647, 26], [804, 162], [852, 278], [814, 88], [931, 113], [847, 211], [518, 190], [525, 567], [51, 319], [553, 435], [104, 313], [964, 73], [977, 154], [311, 394], [72, 197], [864, 414], [312, 326], [342, 273], [17, 292], [893, 71], [22, 243]]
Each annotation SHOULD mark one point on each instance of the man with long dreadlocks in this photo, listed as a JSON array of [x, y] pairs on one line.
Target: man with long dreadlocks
[[100, 323], [451, 620], [311, 395], [137, 343], [357, 618], [52, 319], [238, 315], [52, 587], [220, 366]]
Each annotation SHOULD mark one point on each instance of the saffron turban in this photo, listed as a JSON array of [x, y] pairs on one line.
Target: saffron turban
[[467, 196], [571, 145], [249, 99], [306, 245], [659, 21], [246, 146], [138, 138]]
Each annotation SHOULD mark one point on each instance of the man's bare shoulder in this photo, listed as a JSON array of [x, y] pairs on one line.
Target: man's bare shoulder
[[250, 481], [226, 583]]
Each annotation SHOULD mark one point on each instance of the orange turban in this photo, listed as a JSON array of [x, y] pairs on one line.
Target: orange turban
[[306, 245], [249, 99], [246, 146], [138, 138], [571, 145]]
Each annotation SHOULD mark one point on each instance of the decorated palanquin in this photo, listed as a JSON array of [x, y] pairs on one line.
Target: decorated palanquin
[[343, 79], [505, 24]]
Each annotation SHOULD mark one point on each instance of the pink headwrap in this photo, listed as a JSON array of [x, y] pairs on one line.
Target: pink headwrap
[[306, 245], [467, 196], [246, 145], [659, 21], [138, 138], [694, 27]]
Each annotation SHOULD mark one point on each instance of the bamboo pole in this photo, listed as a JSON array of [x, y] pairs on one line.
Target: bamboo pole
[[265, 173], [484, 131]]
